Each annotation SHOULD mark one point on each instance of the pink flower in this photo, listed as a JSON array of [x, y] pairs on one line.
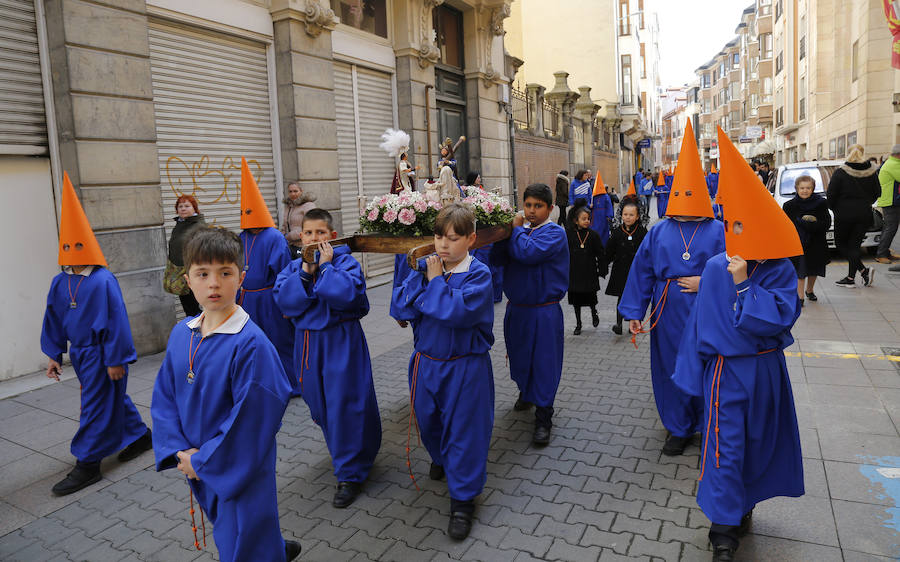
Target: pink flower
[[505, 206], [420, 205], [380, 201], [407, 216], [389, 216], [435, 205], [488, 207], [373, 215]]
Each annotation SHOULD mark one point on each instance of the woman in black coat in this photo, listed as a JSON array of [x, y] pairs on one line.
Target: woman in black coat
[[187, 221], [624, 240], [809, 213], [586, 263], [852, 190]]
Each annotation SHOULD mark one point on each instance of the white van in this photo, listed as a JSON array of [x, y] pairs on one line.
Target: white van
[[781, 186]]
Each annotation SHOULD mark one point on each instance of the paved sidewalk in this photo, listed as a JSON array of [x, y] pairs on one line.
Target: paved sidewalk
[[600, 491]]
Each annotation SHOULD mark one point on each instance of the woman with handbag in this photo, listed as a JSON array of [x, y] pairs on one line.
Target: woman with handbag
[[187, 221]]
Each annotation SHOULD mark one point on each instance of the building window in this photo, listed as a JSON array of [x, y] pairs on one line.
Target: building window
[[754, 61], [735, 88], [802, 47], [640, 14], [802, 110], [841, 146], [706, 80], [779, 117], [366, 15], [643, 61], [832, 149], [765, 7], [819, 151], [723, 68], [735, 118], [779, 63], [765, 45], [736, 60], [754, 105], [448, 30], [626, 80], [851, 139], [854, 61], [779, 9], [624, 18], [767, 90]]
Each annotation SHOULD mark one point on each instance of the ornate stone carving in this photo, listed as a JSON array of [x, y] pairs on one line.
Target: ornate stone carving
[[497, 17], [318, 17], [428, 51]]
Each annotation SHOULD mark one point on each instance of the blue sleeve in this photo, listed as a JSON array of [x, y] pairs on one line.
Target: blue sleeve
[[340, 284], [639, 285], [457, 308], [168, 438], [535, 248], [404, 297], [572, 192], [115, 335], [292, 291], [230, 460], [763, 311], [53, 337]]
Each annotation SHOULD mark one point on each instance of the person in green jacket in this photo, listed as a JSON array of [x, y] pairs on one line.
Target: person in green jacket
[[889, 178]]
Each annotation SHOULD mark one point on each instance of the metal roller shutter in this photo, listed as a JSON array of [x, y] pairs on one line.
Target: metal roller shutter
[[365, 108], [23, 128], [211, 97]]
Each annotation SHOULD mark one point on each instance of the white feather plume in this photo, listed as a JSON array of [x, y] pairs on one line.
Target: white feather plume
[[396, 142]]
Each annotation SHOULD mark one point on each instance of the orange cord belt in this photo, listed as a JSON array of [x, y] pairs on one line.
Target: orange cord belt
[[714, 403], [658, 310], [244, 291], [412, 408]]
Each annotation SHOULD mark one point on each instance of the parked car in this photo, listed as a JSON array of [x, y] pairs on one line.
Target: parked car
[[781, 186]]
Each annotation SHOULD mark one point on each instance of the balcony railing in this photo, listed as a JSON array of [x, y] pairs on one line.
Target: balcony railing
[[521, 109], [551, 119]]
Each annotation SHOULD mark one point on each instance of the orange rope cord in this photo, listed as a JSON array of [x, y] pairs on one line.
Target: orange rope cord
[[687, 243], [412, 415], [719, 362], [194, 521], [658, 310], [72, 297], [304, 357]]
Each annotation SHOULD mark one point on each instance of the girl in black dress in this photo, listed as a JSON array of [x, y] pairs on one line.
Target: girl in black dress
[[586, 263], [624, 240], [809, 212]]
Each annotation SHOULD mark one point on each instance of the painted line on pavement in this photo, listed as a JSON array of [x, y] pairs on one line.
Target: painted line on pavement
[[813, 354]]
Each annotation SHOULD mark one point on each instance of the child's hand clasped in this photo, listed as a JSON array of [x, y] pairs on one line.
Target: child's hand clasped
[[326, 253], [184, 463], [434, 267], [689, 284], [737, 267]]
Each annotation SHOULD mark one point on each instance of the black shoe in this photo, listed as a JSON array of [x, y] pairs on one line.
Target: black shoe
[[723, 553], [811, 297], [595, 319], [541, 435], [746, 521], [801, 303], [436, 472], [675, 445], [617, 329], [460, 525], [83, 475], [291, 550], [846, 282], [521, 405], [138, 446], [346, 493], [577, 331], [868, 275]]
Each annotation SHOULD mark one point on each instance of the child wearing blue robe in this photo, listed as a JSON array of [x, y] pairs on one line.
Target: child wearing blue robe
[[450, 306], [536, 262], [660, 275], [85, 311], [732, 356], [325, 302], [266, 253], [580, 188], [217, 406], [662, 196], [602, 212], [712, 184], [483, 254]]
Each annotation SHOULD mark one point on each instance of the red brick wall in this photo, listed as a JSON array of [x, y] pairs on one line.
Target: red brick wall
[[608, 165], [539, 160]]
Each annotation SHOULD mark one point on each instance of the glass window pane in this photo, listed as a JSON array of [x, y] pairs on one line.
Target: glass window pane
[[365, 15], [789, 176]]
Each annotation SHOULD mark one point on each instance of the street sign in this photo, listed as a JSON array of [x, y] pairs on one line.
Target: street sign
[[644, 143], [754, 131], [713, 153], [745, 140]]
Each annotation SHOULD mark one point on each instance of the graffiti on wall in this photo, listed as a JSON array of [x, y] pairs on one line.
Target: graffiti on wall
[[207, 181]]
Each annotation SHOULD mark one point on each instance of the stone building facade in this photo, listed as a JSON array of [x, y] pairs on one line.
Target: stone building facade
[[144, 100]]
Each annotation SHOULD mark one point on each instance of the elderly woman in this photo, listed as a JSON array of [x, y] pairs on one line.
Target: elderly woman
[[296, 205], [188, 219]]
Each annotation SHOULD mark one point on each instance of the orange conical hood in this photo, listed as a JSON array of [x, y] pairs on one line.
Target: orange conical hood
[[77, 243], [631, 189], [254, 213], [755, 226], [661, 180], [713, 170], [689, 196], [599, 186]]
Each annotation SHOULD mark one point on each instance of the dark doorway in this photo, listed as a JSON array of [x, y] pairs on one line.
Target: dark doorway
[[450, 85]]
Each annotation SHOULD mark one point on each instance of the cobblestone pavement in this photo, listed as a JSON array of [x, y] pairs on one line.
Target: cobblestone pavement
[[600, 490]]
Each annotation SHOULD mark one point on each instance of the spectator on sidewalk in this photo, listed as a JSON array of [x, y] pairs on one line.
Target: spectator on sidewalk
[[562, 195], [186, 223], [581, 188], [809, 213], [852, 190], [296, 204], [889, 178]]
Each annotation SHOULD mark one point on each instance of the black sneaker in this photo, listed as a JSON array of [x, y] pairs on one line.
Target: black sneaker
[[577, 331], [541, 435], [521, 405], [723, 553], [746, 520], [675, 445], [617, 329], [346, 493], [811, 297], [868, 275], [846, 282], [595, 318], [138, 446], [436, 472], [291, 550], [460, 525], [83, 475]]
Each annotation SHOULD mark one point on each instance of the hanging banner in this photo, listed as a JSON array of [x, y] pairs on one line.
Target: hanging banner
[[891, 13]]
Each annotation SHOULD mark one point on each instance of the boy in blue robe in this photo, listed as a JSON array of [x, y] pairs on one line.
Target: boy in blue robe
[[266, 253], [217, 406], [712, 182], [85, 311], [732, 355], [602, 211], [450, 305], [536, 259], [666, 272], [325, 302]]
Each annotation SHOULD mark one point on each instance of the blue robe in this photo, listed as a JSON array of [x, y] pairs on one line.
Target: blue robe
[[332, 357], [450, 370], [536, 279], [659, 259], [580, 190], [483, 254], [712, 184], [662, 196], [645, 187], [231, 412], [100, 337], [757, 440], [265, 255], [601, 212]]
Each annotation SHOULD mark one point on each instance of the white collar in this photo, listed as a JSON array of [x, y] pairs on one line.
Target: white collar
[[231, 326], [462, 266], [531, 226], [85, 272]]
